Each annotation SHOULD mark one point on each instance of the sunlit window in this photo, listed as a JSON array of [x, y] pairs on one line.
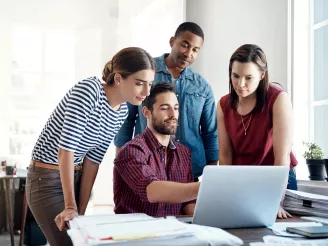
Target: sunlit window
[[42, 72]]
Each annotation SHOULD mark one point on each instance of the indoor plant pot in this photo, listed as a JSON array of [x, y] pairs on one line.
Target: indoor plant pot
[[326, 166], [316, 169], [314, 161]]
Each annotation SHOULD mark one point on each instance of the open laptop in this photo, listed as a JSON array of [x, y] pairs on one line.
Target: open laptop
[[240, 196]]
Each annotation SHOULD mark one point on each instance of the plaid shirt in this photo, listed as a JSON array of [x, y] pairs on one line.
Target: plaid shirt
[[142, 161]]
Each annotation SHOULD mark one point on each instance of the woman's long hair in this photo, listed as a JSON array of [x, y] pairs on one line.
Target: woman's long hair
[[244, 54]]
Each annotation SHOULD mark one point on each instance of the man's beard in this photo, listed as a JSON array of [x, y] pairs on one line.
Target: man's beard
[[164, 128]]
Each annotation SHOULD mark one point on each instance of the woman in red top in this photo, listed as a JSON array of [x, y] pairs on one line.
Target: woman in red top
[[255, 119]]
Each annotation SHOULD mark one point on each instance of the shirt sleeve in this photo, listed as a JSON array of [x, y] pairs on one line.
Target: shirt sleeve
[[209, 128], [77, 106], [97, 155], [190, 178], [132, 165], [125, 134]]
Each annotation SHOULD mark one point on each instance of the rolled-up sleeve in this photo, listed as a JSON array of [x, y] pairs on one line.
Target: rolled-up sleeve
[[132, 165]]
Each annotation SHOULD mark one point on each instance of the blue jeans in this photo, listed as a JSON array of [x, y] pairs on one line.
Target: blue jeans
[[292, 183]]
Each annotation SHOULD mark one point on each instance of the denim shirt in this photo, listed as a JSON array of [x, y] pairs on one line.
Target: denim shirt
[[197, 116]]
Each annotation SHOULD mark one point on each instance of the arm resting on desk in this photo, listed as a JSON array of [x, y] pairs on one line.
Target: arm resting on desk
[[189, 209]]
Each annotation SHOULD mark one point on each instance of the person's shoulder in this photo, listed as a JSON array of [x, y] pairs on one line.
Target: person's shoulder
[[91, 85], [124, 108], [137, 145], [225, 97], [181, 148], [198, 81], [274, 91], [197, 76], [275, 88], [91, 82], [224, 101], [159, 62], [158, 58]]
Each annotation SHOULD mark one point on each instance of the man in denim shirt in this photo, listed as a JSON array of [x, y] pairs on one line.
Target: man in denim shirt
[[197, 122]]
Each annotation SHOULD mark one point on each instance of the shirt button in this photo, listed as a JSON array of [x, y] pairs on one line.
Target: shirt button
[[178, 140], [137, 115], [177, 95]]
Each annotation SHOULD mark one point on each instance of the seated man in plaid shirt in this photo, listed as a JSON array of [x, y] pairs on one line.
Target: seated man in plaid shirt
[[152, 173]]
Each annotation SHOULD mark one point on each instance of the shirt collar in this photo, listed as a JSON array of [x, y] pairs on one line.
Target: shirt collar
[[161, 67], [154, 143]]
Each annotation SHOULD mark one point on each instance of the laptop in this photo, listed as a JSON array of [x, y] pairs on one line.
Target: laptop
[[240, 196]]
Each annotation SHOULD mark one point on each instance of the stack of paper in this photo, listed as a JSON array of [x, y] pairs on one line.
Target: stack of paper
[[304, 203], [147, 230], [140, 229], [94, 220]]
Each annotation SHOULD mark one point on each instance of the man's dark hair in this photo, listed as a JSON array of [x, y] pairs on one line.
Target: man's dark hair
[[156, 89], [191, 27]]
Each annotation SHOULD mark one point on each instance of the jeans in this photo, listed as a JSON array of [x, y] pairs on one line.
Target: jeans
[[292, 183]]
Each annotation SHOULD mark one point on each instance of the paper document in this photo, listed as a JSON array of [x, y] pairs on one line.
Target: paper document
[[279, 228], [93, 220], [281, 241], [134, 230], [145, 230]]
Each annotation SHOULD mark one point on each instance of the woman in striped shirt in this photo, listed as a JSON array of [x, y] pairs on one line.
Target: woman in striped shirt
[[76, 137]]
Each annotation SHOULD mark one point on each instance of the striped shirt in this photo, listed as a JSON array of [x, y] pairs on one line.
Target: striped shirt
[[83, 122], [142, 161]]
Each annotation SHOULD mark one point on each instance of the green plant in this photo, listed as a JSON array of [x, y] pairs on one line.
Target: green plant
[[313, 151]]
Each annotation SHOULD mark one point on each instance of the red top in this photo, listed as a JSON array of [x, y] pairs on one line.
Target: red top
[[142, 161], [255, 148]]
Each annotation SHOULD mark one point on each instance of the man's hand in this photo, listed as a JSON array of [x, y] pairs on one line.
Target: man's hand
[[65, 216], [282, 214]]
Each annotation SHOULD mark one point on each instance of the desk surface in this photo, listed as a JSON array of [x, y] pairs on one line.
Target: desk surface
[[249, 235]]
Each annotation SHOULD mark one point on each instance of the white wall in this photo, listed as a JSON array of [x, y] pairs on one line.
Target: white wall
[[228, 24]]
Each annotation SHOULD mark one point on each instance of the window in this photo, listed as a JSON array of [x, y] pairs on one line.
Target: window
[[42, 71], [319, 92], [309, 52]]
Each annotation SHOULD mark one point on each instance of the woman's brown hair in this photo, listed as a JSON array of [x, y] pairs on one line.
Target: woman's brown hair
[[126, 62], [250, 53]]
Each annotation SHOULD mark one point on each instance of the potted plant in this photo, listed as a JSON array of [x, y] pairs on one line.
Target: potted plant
[[314, 161]]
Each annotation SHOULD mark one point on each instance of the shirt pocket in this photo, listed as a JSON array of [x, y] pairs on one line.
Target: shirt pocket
[[194, 103]]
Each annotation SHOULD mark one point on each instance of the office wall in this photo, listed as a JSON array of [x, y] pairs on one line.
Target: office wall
[[228, 24]]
